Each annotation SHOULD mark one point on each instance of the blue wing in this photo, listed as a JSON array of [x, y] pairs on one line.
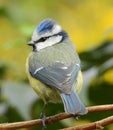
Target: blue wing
[[58, 75]]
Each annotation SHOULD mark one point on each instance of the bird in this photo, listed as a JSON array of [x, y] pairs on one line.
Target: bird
[[53, 67]]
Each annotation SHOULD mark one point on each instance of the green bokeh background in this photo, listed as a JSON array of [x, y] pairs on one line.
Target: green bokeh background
[[90, 26]]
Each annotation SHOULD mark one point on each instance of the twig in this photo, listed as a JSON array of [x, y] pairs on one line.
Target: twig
[[31, 123], [51, 119], [95, 125]]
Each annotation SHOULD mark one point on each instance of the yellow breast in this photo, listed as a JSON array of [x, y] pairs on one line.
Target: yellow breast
[[79, 83]]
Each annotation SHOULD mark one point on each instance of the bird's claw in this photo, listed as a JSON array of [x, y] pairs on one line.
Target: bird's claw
[[43, 117], [77, 117]]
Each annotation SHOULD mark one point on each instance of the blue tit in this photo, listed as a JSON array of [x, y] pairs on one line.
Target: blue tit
[[53, 67]]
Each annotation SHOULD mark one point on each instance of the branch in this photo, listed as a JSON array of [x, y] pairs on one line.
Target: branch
[[95, 125], [51, 119]]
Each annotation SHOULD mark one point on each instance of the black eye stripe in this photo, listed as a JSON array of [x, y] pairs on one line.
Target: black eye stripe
[[41, 39], [62, 33]]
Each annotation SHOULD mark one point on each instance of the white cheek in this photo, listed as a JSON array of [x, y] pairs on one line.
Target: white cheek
[[49, 42]]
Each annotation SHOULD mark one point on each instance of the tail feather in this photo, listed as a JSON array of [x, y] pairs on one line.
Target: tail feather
[[72, 103]]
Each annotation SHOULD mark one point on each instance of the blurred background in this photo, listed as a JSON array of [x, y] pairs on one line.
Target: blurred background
[[90, 26]]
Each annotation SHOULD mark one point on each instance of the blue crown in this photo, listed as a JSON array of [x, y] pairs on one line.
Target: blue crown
[[45, 25]]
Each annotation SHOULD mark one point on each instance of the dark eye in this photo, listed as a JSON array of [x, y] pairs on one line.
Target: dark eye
[[42, 39]]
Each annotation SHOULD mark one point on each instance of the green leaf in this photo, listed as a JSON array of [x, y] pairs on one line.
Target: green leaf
[[105, 67], [100, 92], [97, 56]]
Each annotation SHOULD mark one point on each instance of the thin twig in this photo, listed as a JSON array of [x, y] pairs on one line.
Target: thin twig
[[95, 125], [51, 119], [31, 123]]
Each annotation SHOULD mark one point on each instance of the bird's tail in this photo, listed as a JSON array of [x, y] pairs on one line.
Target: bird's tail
[[72, 103]]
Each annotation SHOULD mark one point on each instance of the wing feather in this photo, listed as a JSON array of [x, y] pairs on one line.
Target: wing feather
[[59, 75]]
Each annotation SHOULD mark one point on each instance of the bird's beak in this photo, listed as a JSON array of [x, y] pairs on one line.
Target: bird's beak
[[30, 43]]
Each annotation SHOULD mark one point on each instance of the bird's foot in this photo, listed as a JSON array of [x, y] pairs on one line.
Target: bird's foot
[[43, 117], [77, 117]]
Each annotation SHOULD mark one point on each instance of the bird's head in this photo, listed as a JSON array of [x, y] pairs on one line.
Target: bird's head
[[46, 34]]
